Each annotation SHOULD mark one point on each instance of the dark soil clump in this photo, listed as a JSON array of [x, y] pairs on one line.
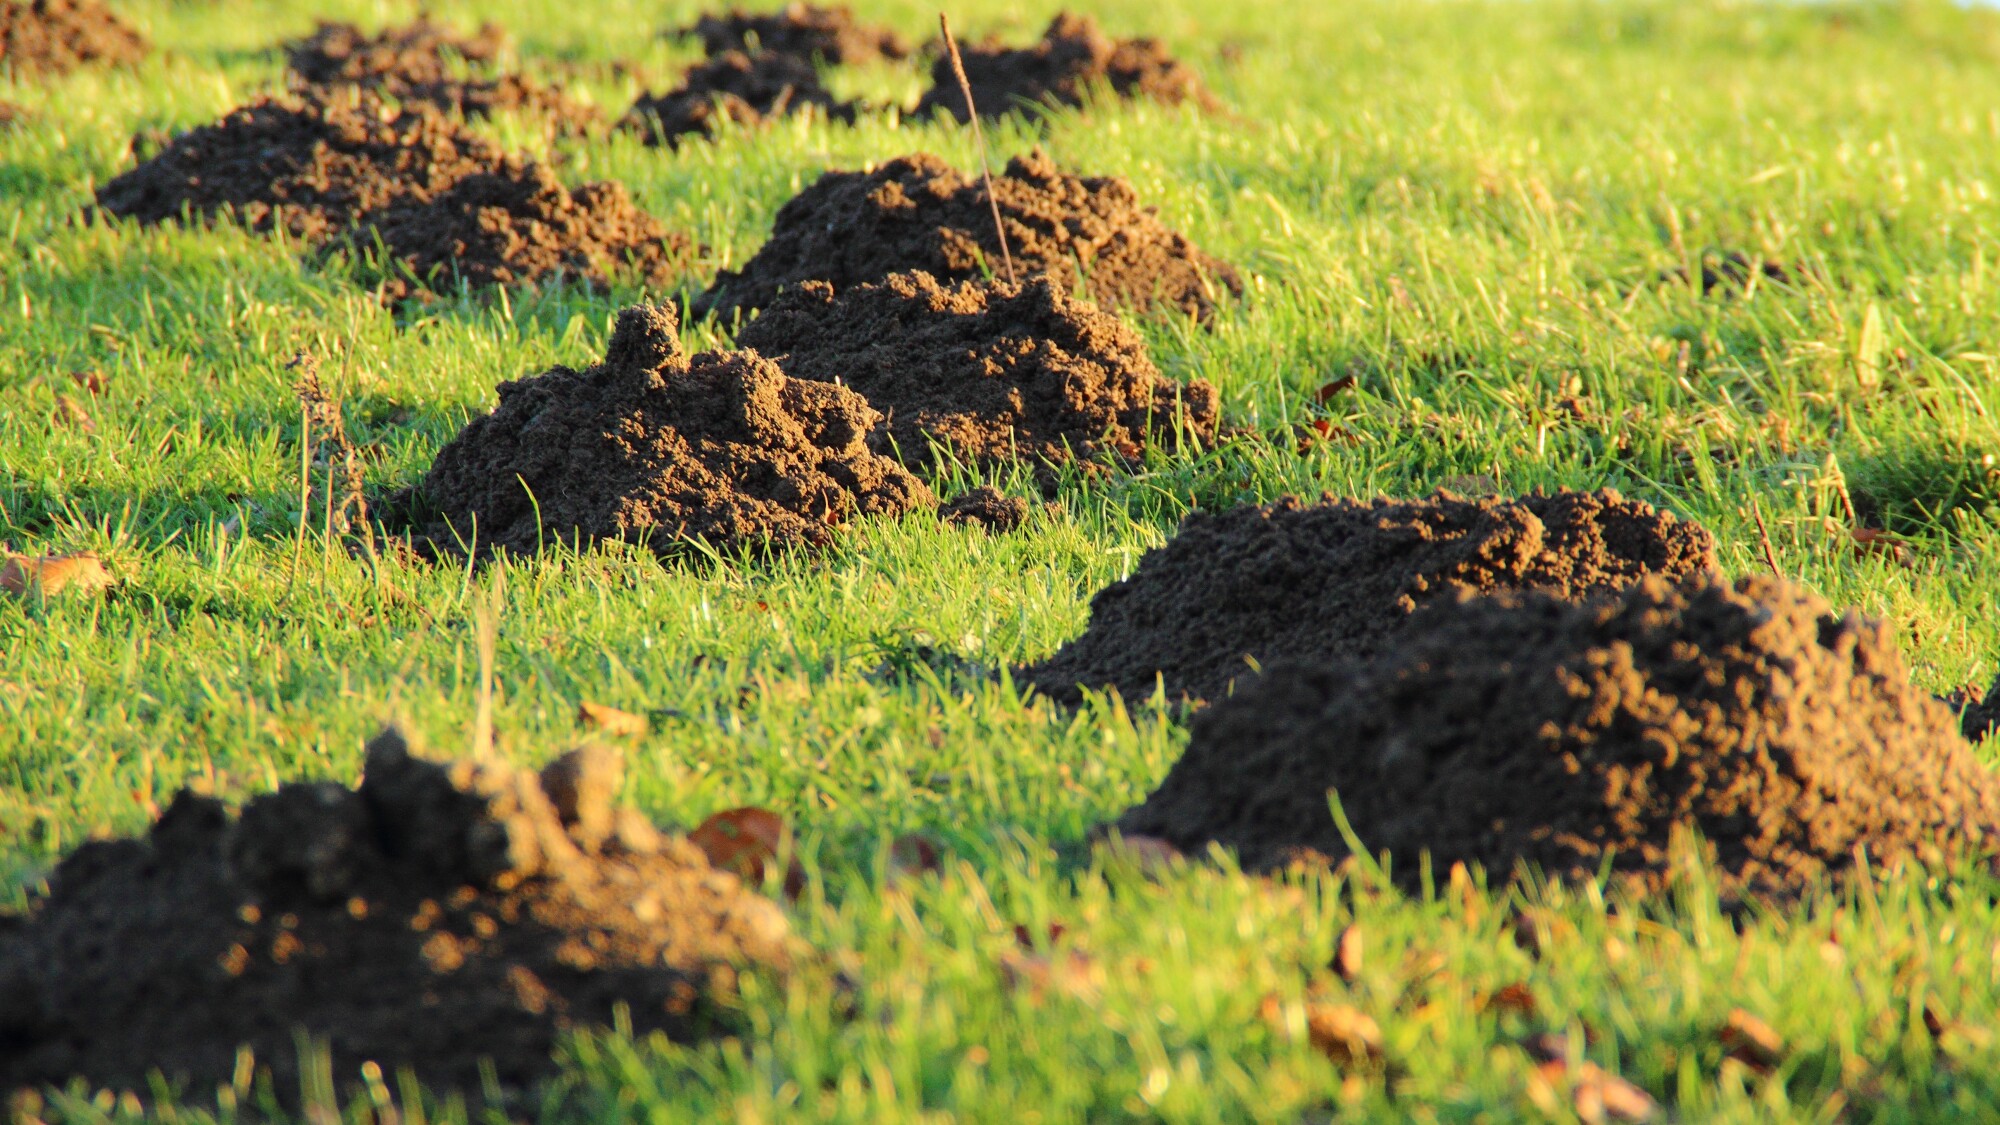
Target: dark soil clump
[[805, 30], [1568, 735], [919, 213], [438, 915], [53, 37], [996, 372], [308, 165], [518, 226], [1294, 581], [986, 507], [652, 445], [747, 90], [1072, 58], [1981, 715], [424, 61]]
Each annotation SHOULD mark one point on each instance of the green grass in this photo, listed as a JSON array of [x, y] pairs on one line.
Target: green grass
[[1468, 206]]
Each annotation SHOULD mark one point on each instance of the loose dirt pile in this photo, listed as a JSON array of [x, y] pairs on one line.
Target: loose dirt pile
[[986, 507], [438, 915], [807, 31], [653, 445], [1319, 582], [1073, 59], [919, 213], [426, 62], [518, 226], [994, 371], [309, 165], [51, 37], [748, 90], [1523, 727]]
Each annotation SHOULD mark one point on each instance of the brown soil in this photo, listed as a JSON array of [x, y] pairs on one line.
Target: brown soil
[[516, 225], [994, 371], [1528, 728], [1318, 582], [919, 213], [50, 37], [1981, 715], [734, 87], [438, 915], [309, 165], [652, 444], [423, 61], [1072, 59], [986, 507], [805, 30]]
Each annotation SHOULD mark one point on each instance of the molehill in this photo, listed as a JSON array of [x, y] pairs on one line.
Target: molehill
[[919, 213], [438, 915], [747, 90], [1316, 582], [807, 31], [1523, 728], [423, 61], [653, 445], [996, 372], [1072, 59], [53, 37]]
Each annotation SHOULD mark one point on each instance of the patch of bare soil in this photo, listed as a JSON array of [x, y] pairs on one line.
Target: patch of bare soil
[[1072, 60], [438, 915], [428, 62], [517, 225], [309, 165], [808, 31], [54, 37], [1527, 728], [995, 372], [919, 213], [748, 90], [986, 507], [652, 445], [1296, 581]]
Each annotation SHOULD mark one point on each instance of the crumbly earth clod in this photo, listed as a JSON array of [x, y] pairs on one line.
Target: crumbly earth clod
[[808, 31], [1071, 60], [738, 88], [50, 38]]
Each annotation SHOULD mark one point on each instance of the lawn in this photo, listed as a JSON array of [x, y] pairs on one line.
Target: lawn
[[1487, 214]]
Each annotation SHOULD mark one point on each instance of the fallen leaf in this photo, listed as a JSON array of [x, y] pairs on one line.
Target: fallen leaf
[[1875, 541], [744, 841], [609, 720], [52, 574], [1025, 938], [1595, 1094], [1753, 1042], [1347, 950], [1328, 391], [1344, 1033], [91, 382], [1073, 973], [913, 855], [70, 412], [1516, 997]]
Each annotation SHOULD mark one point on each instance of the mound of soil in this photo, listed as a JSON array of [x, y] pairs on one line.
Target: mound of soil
[[745, 89], [919, 213], [994, 371], [653, 445], [986, 507], [518, 226], [308, 165], [1527, 728], [50, 37], [1072, 59], [1294, 581], [805, 30], [438, 915], [422, 61]]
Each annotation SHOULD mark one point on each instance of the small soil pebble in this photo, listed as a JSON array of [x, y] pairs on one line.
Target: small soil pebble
[[1254, 586], [1072, 59], [652, 445], [1526, 728], [518, 226], [986, 507], [427, 62], [54, 37], [995, 372], [439, 915], [734, 87], [805, 30], [308, 165], [919, 213]]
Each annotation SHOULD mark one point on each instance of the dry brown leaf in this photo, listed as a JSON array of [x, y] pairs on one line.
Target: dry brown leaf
[[913, 855], [1752, 1042], [1594, 1094], [745, 841], [1516, 997], [51, 574], [610, 720], [91, 382], [1347, 950], [70, 412], [1344, 1033]]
